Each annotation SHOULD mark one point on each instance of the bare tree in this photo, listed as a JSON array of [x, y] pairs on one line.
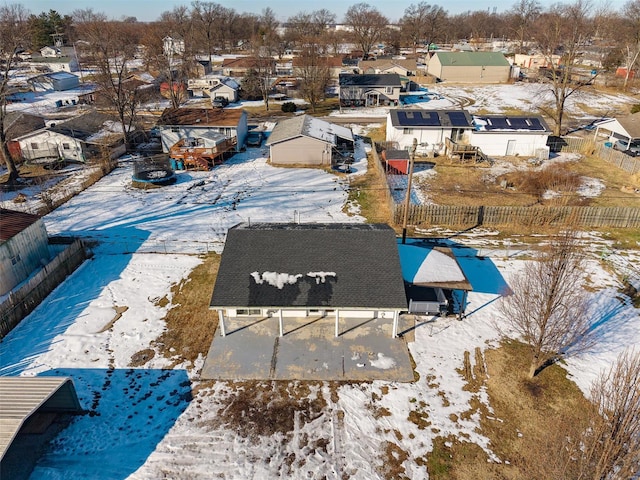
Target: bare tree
[[610, 447], [630, 36], [522, 17], [314, 73], [421, 22], [213, 24], [547, 307], [112, 46], [563, 30], [367, 25], [14, 36]]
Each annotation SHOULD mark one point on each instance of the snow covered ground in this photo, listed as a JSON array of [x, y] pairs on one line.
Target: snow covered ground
[[155, 421], [159, 422]]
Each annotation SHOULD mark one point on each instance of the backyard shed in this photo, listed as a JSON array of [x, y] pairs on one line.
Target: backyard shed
[[470, 67], [24, 247], [29, 409], [435, 283], [307, 140], [341, 271]]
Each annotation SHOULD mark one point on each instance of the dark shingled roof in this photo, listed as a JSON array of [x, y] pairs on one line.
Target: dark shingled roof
[[329, 265], [13, 222], [369, 80]]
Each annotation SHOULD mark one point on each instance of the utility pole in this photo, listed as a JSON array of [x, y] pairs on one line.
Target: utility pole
[[412, 155]]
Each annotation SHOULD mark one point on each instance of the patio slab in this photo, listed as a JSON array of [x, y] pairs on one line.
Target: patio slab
[[309, 350]]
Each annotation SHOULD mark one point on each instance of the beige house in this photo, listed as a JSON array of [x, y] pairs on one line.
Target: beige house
[[307, 140], [536, 61], [470, 67], [404, 67]]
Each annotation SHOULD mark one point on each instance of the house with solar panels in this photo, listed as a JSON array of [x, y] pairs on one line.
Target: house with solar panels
[[431, 128], [504, 135]]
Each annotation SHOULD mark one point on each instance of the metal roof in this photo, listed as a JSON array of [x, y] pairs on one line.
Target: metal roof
[[12, 223], [472, 59], [354, 266], [21, 397]]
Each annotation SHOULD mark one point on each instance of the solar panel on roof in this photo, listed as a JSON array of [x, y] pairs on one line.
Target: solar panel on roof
[[416, 118], [519, 123], [535, 124], [496, 124], [458, 119]]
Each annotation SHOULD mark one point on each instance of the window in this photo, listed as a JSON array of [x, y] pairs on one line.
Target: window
[[407, 131], [248, 311], [34, 146], [388, 90], [15, 259], [66, 146], [175, 129]]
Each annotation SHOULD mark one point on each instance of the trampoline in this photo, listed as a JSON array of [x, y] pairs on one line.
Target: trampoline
[[153, 171]]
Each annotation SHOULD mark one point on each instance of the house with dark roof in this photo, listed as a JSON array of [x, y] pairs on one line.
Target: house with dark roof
[[429, 127], [470, 67], [24, 247], [343, 271], [77, 139], [17, 124], [502, 135], [403, 66], [307, 140], [177, 124], [369, 90]]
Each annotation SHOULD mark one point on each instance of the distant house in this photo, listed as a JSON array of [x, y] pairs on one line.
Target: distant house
[[172, 45], [179, 123], [308, 140], [510, 134], [17, 124], [429, 127], [470, 67], [238, 67], [77, 139], [24, 247], [626, 128], [403, 67], [55, 59], [343, 271], [369, 90], [58, 81], [333, 64], [536, 61], [214, 86]]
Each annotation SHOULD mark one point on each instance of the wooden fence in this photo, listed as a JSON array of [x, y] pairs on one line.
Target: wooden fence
[[19, 303], [495, 216], [470, 216], [381, 170]]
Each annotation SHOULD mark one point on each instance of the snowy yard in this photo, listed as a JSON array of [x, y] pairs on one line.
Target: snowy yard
[[154, 421], [159, 420]]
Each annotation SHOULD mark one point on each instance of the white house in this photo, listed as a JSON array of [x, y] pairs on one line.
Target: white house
[[172, 46], [77, 139], [429, 127], [176, 124], [214, 86], [502, 135]]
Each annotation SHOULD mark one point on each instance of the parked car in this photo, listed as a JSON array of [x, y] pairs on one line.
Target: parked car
[[220, 102], [631, 149]]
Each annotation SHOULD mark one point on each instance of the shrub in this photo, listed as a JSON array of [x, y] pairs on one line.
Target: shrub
[[289, 107]]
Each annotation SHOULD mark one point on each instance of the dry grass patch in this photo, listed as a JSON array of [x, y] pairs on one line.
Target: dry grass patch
[[190, 324], [369, 191], [392, 459]]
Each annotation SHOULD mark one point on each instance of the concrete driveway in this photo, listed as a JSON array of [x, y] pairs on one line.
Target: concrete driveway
[[309, 350]]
